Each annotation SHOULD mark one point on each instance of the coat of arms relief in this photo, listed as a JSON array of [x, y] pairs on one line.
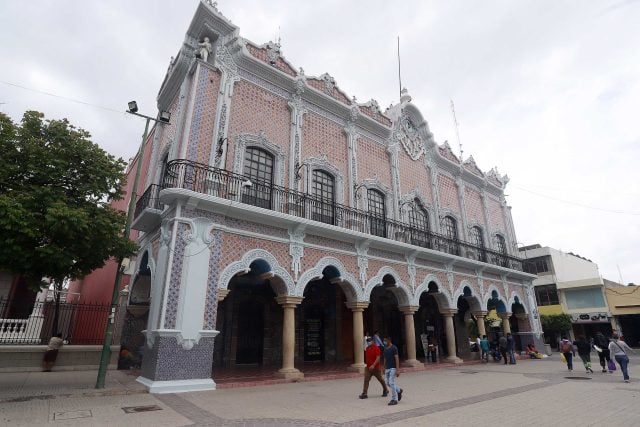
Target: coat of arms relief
[[410, 138]]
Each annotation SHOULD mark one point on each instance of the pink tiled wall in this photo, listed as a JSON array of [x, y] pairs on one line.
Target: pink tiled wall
[[235, 246], [495, 216], [373, 161], [473, 203], [201, 130], [323, 136], [413, 174], [448, 193]]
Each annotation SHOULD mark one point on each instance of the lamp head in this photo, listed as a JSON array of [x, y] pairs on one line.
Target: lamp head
[[165, 116], [133, 106]]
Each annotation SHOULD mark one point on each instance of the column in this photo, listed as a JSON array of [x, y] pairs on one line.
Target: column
[[289, 304], [123, 300], [357, 308], [410, 336], [479, 315], [506, 327], [451, 335], [221, 294]]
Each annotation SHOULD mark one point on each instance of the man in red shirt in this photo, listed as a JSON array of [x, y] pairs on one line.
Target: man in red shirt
[[372, 359]]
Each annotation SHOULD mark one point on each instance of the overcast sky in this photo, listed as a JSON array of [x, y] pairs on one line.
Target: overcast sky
[[547, 91]]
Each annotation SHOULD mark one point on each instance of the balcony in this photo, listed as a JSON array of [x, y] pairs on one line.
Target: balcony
[[200, 178], [148, 209]]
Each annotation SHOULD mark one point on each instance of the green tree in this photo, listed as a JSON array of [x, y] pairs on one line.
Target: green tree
[[55, 190], [555, 324]]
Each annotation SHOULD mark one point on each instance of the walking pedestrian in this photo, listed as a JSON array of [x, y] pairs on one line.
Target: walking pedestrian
[[601, 344], [484, 348], [566, 348], [432, 348], [584, 351], [502, 346], [619, 349], [391, 372], [511, 348], [372, 359], [50, 356]]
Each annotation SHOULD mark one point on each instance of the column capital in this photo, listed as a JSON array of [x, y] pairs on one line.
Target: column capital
[[481, 313], [409, 309], [504, 315], [522, 316], [222, 294], [449, 312], [288, 300], [357, 305]]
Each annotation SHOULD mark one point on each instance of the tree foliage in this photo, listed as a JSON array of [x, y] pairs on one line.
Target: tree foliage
[[557, 324], [55, 190]]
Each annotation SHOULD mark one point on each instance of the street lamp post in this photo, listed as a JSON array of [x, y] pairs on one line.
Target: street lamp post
[[163, 117]]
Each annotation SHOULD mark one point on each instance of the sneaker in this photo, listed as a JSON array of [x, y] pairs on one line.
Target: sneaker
[[626, 381], [363, 396], [604, 371], [591, 370], [393, 402], [400, 395], [385, 393]]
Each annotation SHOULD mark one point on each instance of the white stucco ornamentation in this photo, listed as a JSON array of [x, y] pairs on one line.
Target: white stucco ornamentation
[[443, 296], [260, 140], [348, 283], [296, 250], [362, 249], [408, 135], [204, 49], [282, 280], [400, 290]]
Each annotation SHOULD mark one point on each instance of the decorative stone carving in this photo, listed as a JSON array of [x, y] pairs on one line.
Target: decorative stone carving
[[329, 83], [296, 250], [260, 140], [273, 52], [362, 249], [224, 61], [410, 138], [204, 49]]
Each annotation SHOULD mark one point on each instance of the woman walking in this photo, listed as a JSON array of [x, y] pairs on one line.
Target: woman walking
[[584, 351], [566, 348], [618, 350]]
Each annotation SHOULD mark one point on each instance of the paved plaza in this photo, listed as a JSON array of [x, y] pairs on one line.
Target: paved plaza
[[538, 392]]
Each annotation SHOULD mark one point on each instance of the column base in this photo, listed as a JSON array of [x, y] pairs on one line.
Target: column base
[[412, 363], [454, 359], [177, 386], [292, 374], [357, 367]]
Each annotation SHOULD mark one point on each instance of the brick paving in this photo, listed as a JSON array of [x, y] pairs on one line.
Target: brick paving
[[534, 393]]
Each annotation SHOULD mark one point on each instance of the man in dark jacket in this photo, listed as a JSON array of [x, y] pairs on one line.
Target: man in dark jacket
[[601, 344], [511, 348], [584, 351], [502, 346]]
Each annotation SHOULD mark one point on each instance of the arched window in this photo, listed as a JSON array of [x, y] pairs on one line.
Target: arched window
[[323, 208], [377, 212], [501, 248], [258, 167], [478, 241], [419, 222], [450, 231]]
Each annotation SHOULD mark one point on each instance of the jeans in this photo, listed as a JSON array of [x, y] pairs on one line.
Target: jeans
[[512, 357], [569, 357], [390, 378], [485, 355], [623, 361]]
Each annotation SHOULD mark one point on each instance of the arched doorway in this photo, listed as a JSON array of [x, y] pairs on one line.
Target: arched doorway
[[429, 325], [136, 318], [495, 307], [519, 334], [250, 320], [383, 314]]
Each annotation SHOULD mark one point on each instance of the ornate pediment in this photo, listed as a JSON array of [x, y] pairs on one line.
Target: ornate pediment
[[446, 152], [410, 138], [471, 166]]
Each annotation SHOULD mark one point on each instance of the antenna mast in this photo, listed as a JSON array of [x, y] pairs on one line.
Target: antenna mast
[[399, 78], [455, 122]]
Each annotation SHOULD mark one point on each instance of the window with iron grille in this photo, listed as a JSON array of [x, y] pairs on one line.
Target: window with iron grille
[[258, 167], [323, 207], [449, 229], [478, 241], [546, 295], [501, 247], [377, 210], [419, 222]]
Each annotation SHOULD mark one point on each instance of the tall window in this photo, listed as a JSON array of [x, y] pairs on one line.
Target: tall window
[[419, 221], [546, 295], [323, 208], [377, 210], [478, 241], [258, 167], [501, 247], [450, 231]]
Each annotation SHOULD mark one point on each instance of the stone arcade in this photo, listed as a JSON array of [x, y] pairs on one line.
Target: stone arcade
[[281, 220]]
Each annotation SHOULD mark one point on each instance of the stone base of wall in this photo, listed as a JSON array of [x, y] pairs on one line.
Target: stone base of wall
[[28, 358]]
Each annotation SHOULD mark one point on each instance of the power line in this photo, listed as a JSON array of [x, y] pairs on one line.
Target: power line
[[577, 204], [62, 97]]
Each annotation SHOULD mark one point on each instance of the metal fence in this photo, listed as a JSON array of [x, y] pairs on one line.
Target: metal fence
[[34, 323], [221, 183]]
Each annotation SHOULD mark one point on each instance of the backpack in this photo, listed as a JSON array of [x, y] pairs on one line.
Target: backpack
[[565, 347]]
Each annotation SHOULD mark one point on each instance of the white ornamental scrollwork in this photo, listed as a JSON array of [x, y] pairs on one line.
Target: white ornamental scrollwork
[[410, 138]]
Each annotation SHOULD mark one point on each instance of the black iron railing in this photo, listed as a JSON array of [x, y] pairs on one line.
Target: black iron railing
[[148, 200], [220, 183]]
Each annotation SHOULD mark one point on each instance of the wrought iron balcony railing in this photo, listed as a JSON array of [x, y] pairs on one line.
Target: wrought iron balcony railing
[[148, 200], [220, 183]]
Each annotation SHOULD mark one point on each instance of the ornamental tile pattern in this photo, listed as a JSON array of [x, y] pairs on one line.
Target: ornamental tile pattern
[[386, 254], [328, 243], [414, 175], [254, 227], [429, 263], [261, 54], [334, 92], [316, 132], [495, 216], [211, 305], [445, 151], [475, 211], [371, 158], [375, 115], [255, 110], [312, 257], [448, 193], [176, 276], [235, 246], [202, 121]]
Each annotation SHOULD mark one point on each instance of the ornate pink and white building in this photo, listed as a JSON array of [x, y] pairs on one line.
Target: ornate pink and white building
[[281, 221]]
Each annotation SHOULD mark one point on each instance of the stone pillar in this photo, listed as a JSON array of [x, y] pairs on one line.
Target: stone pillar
[[479, 315], [449, 331], [506, 327], [222, 294], [120, 315], [358, 335], [289, 304], [410, 336]]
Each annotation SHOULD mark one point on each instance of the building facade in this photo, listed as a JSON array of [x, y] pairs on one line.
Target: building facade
[[624, 303], [568, 283], [281, 220]]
